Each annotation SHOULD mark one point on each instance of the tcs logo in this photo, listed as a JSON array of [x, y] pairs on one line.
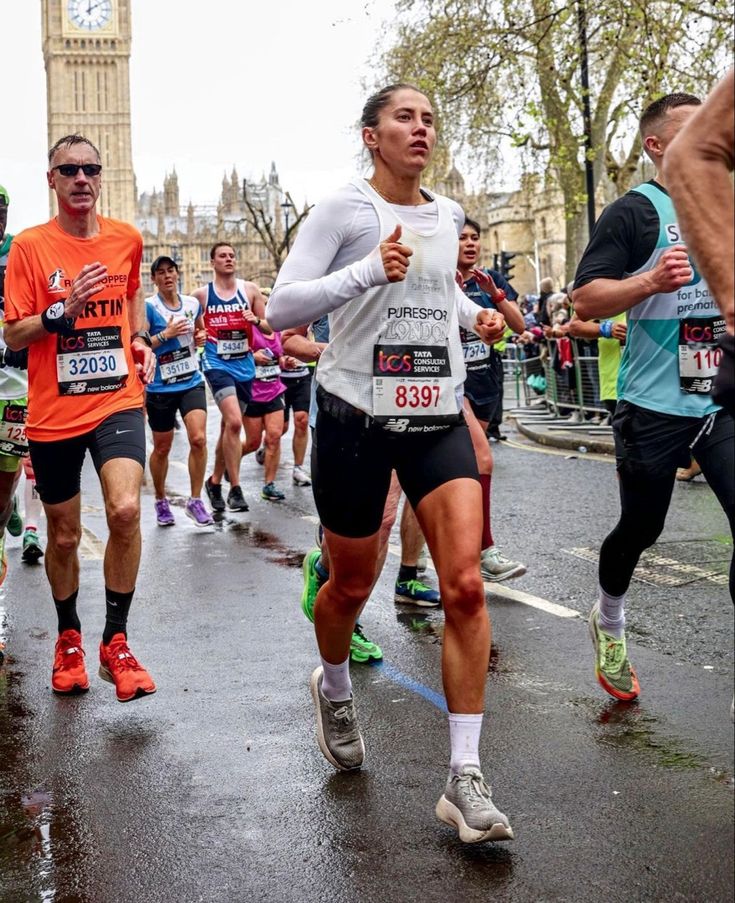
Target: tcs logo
[[395, 363], [696, 334], [72, 343], [15, 414]]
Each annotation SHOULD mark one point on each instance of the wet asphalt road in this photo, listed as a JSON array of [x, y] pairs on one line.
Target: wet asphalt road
[[214, 788]]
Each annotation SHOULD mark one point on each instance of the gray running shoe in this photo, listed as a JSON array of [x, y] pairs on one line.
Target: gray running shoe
[[467, 805], [336, 728], [495, 567]]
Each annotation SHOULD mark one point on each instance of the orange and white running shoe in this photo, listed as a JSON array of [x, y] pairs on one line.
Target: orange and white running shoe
[[119, 666], [69, 673]]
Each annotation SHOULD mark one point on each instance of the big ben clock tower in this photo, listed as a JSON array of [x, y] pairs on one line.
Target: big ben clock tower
[[86, 49]]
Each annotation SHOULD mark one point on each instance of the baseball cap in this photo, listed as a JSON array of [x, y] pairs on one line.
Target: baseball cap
[[160, 261], [4, 196]]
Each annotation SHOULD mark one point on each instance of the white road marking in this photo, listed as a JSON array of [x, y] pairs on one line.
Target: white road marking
[[515, 595], [496, 589], [91, 547], [558, 452]]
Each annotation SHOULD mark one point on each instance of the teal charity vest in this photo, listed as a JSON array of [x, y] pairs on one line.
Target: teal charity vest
[[670, 359]]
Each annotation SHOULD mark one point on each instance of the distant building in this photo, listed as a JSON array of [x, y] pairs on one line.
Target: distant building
[[188, 233]]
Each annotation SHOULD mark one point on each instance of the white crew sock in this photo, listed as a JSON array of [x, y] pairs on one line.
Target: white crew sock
[[336, 683], [464, 736], [612, 614]]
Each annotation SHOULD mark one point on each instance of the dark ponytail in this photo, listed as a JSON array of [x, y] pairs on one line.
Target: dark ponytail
[[375, 103]]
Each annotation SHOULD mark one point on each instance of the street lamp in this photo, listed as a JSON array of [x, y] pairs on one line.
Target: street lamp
[[586, 114], [287, 206]]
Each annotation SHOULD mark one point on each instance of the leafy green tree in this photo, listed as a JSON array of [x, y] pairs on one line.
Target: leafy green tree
[[507, 71]]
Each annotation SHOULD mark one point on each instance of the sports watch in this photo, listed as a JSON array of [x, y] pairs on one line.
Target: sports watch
[[144, 335]]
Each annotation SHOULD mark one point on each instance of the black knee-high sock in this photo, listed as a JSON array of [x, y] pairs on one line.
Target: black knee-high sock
[[66, 611], [117, 606]]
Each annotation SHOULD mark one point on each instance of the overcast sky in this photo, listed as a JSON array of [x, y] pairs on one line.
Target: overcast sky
[[213, 84]]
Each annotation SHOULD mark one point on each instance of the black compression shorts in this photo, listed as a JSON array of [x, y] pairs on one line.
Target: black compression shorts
[[351, 464], [58, 465], [298, 394], [261, 408], [162, 407]]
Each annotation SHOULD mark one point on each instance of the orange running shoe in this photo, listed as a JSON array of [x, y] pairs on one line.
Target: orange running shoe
[[69, 674], [120, 667]]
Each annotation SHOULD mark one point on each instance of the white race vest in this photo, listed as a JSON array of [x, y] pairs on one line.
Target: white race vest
[[394, 351]]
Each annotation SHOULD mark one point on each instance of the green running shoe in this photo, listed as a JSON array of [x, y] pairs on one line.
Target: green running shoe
[[415, 592], [15, 524], [312, 583], [32, 550], [361, 649], [613, 669]]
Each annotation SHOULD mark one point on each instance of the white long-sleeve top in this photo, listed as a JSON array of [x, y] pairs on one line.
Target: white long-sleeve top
[[335, 268], [336, 258]]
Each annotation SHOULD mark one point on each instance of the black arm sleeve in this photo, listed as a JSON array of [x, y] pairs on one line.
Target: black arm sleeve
[[623, 239]]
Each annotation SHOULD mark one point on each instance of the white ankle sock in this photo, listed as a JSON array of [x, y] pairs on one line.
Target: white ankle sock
[[612, 613], [464, 736], [336, 683]]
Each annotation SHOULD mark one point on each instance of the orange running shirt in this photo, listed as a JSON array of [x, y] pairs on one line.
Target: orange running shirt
[[77, 381]]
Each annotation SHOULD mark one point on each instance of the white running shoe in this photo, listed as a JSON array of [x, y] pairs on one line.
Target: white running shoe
[[300, 476]]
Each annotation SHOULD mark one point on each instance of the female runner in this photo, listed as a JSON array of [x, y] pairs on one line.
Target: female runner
[[379, 256]]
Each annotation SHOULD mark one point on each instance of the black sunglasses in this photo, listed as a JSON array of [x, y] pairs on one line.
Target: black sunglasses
[[71, 169]]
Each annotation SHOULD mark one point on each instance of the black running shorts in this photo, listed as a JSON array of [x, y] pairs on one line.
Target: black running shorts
[[351, 464], [261, 408], [483, 412], [162, 407], [650, 445], [298, 394], [58, 465]]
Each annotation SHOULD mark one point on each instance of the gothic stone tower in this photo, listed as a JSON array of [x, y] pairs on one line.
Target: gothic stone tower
[[86, 49]]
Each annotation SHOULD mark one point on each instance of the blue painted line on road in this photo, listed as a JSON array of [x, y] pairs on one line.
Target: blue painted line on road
[[410, 684]]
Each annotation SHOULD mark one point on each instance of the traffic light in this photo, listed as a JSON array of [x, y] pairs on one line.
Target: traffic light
[[506, 266]]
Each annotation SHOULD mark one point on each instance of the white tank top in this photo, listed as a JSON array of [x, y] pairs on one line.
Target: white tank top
[[394, 352]]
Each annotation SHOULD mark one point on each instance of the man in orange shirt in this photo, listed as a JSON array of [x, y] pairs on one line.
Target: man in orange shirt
[[73, 298]]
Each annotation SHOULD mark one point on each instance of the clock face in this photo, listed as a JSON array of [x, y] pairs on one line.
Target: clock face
[[90, 14]]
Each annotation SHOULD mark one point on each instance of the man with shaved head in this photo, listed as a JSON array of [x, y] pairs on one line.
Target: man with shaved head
[[637, 262]]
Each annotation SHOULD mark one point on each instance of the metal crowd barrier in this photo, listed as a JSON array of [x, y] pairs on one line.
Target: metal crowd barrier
[[563, 378]]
